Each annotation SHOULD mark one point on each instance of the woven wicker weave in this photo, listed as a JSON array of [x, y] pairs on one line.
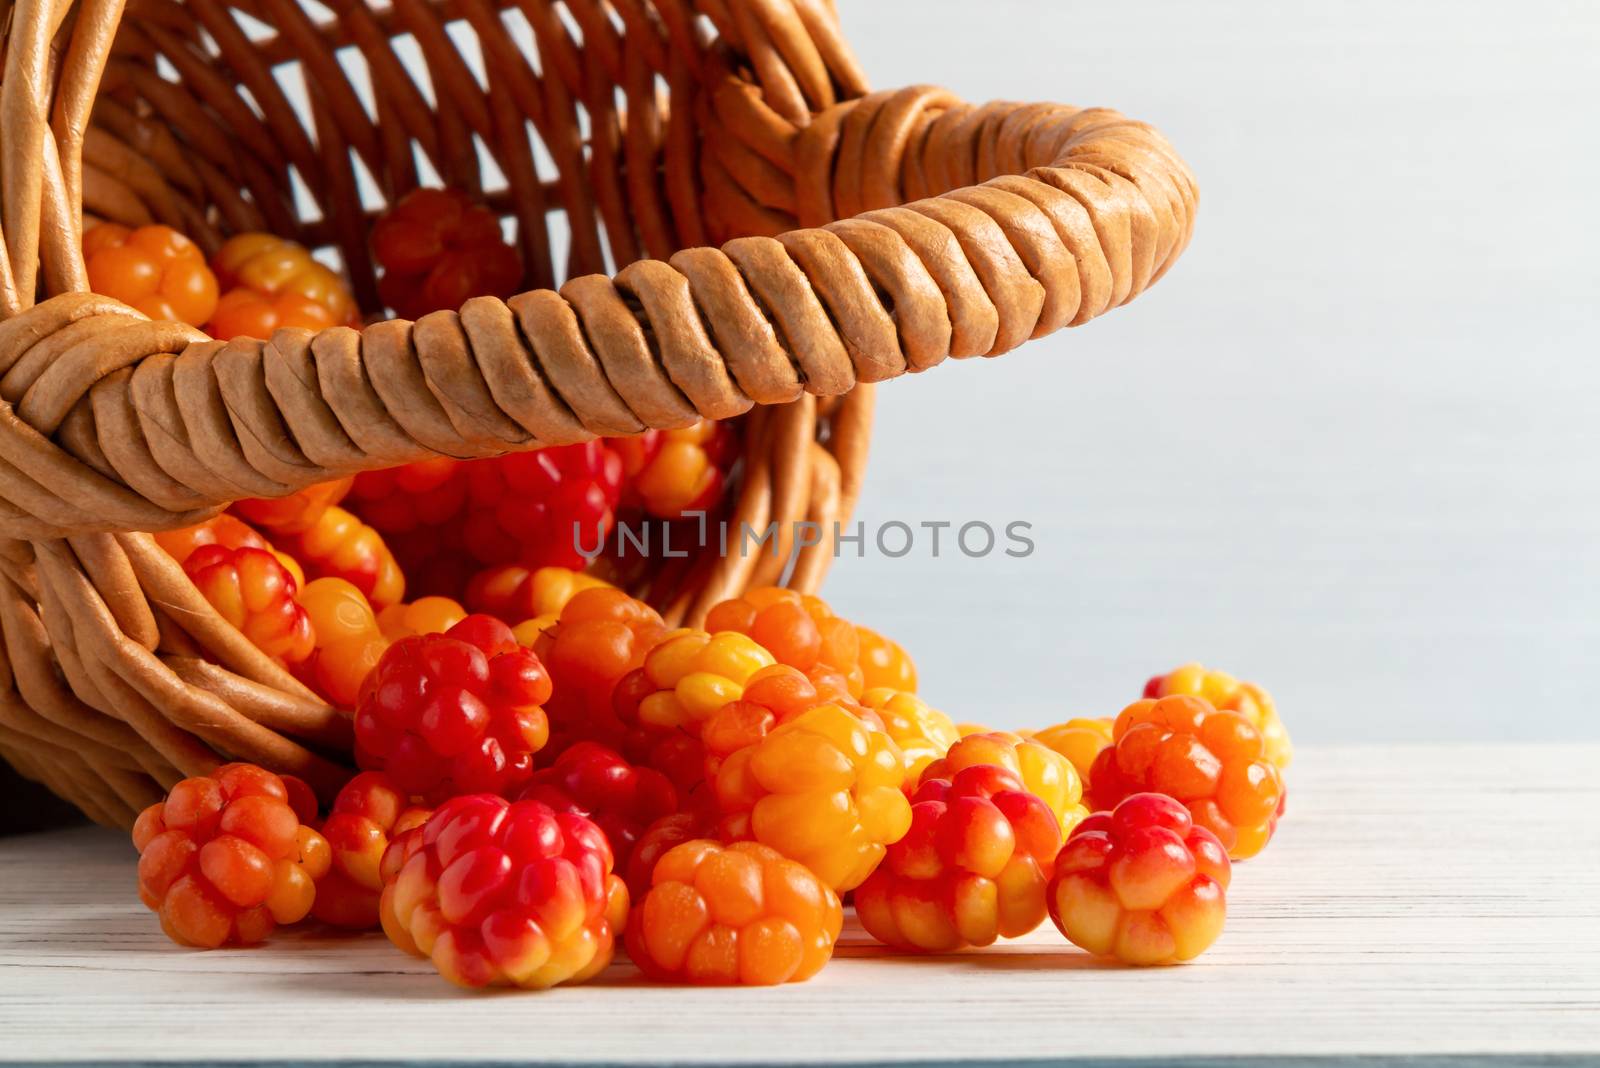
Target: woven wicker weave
[[700, 149]]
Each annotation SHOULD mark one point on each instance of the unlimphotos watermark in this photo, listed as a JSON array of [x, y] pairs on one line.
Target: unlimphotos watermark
[[893, 539]]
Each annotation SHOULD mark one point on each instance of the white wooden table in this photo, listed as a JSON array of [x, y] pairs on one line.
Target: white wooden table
[[1432, 905]]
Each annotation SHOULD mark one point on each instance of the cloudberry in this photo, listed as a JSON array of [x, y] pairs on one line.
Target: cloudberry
[[454, 713], [229, 531], [688, 676], [341, 546], [512, 591], [295, 513], [884, 662], [1141, 883], [226, 857], [797, 629], [1079, 740], [503, 894], [973, 867], [822, 787], [1228, 694], [369, 811], [1211, 761], [670, 472], [253, 591], [425, 615], [740, 913], [601, 636], [269, 282], [923, 733], [418, 495], [540, 508], [438, 249], [348, 642], [1043, 771], [152, 269], [662, 836], [598, 782]]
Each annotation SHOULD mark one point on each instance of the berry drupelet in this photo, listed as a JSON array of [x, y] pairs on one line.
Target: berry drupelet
[[973, 867], [1211, 761], [348, 642], [726, 914], [1141, 883], [503, 894], [227, 857], [884, 662], [454, 713]]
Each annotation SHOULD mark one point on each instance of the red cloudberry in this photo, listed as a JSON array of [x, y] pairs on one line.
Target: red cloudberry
[[226, 857], [1141, 883], [438, 249], [973, 867], [670, 472], [1043, 771], [660, 838], [598, 782], [740, 913], [454, 713], [1228, 694], [540, 508], [369, 811], [502, 894], [153, 269], [1211, 761], [255, 593]]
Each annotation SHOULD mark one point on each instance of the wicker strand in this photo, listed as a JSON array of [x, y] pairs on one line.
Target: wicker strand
[[1088, 225]]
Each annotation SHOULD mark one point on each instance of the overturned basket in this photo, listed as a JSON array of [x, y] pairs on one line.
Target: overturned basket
[[671, 124]]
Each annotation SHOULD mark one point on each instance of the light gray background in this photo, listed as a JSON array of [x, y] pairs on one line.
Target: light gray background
[[1348, 446]]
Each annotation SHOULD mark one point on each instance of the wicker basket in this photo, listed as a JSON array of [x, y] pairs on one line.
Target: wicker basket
[[673, 127]]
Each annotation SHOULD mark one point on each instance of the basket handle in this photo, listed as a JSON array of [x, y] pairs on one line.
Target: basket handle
[[1013, 221]]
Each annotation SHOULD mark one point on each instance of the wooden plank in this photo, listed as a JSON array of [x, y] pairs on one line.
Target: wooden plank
[[1435, 904]]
